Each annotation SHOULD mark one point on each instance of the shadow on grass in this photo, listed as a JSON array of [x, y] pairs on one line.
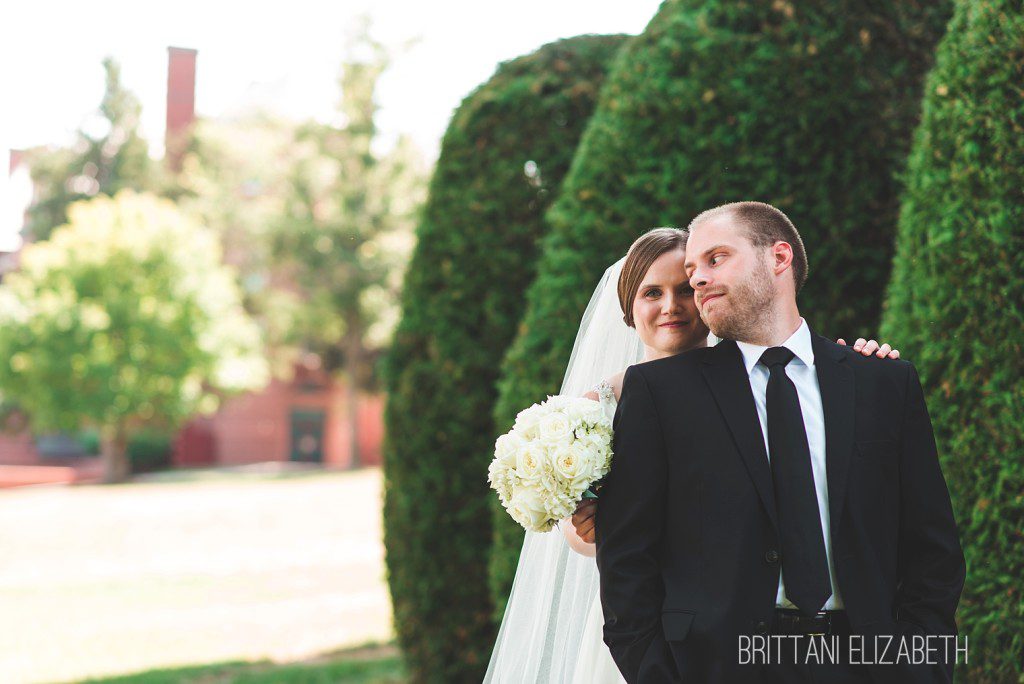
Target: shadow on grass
[[372, 664]]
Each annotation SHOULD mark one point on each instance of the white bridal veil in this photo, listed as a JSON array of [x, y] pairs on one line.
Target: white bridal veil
[[540, 639], [540, 636]]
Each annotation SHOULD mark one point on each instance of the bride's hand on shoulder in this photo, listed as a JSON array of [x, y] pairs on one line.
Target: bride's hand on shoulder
[[869, 347], [583, 519]]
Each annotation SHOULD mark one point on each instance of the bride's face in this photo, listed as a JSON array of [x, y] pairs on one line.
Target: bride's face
[[664, 312]]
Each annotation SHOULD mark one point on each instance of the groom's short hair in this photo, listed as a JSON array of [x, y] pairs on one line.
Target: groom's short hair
[[765, 225]]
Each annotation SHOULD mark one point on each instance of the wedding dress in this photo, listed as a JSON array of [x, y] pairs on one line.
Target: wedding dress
[[594, 664], [552, 630]]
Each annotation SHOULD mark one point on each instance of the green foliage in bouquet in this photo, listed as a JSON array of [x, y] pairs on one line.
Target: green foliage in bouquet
[[805, 104], [502, 160], [956, 307]]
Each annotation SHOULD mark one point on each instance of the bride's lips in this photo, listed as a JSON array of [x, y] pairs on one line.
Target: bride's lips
[[673, 324]]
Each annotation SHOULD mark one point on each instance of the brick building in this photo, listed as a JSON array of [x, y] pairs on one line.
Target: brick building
[[306, 417]]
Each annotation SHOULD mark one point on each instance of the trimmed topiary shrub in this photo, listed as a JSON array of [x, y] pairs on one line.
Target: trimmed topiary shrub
[[502, 160], [805, 104], [956, 306]]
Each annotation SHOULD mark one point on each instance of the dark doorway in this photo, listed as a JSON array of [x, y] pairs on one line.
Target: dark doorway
[[307, 435]]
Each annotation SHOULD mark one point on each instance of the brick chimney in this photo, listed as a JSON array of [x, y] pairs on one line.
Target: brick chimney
[[181, 103], [15, 160]]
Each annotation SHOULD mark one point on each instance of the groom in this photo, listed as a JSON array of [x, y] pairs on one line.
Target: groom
[[775, 488]]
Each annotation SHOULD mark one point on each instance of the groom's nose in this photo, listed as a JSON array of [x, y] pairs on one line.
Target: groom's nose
[[698, 279]]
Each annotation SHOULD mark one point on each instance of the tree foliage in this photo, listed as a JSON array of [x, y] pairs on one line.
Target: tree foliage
[[502, 161], [124, 319], [956, 306], [805, 104], [107, 156], [235, 180], [346, 227]]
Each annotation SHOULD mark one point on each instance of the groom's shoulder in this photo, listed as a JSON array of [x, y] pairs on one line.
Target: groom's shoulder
[[892, 370], [671, 365]]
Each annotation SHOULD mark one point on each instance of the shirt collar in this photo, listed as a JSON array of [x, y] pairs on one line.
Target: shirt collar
[[799, 343]]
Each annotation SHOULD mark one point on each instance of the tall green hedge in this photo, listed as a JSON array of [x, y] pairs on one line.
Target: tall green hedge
[[806, 104], [956, 307], [502, 160]]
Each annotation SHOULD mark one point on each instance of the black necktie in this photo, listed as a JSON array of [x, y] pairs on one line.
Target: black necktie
[[804, 566]]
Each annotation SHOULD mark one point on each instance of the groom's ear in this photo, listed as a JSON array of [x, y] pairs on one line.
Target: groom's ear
[[782, 257]]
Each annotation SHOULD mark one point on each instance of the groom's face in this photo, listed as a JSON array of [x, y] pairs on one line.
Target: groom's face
[[730, 277]]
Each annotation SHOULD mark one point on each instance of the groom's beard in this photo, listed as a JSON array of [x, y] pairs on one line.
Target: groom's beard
[[750, 309]]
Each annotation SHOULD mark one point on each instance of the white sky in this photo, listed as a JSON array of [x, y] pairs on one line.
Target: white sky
[[281, 54], [285, 53]]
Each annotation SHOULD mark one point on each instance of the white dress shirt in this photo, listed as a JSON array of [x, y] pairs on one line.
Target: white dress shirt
[[801, 371]]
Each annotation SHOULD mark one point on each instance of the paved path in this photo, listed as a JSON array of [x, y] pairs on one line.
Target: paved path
[[100, 580]]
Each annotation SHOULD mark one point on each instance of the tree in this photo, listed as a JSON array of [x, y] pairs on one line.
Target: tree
[[804, 104], [956, 306], [125, 318], [109, 158], [235, 180], [346, 228], [502, 160]]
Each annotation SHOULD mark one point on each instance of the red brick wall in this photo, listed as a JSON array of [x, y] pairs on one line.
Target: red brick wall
[[253, 428], [18, 449]]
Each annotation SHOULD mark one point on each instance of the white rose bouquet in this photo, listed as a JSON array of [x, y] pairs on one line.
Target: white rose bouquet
[[544, 466]]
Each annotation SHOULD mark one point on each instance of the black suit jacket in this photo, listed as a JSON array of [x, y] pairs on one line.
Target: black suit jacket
[[686, 520]]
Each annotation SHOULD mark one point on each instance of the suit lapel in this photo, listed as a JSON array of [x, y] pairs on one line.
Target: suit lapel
[[727, 377], [837, 385]]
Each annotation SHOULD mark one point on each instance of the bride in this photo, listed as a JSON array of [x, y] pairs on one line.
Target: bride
[[642, 310]]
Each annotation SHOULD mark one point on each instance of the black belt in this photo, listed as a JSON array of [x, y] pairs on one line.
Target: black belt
[[826, 622]]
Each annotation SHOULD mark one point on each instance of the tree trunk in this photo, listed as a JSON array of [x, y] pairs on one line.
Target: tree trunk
[[353, 359], [353, 421], [114, 454]]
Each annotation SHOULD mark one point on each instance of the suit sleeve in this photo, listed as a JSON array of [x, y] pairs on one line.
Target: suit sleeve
[[931, 562], [630, 525]]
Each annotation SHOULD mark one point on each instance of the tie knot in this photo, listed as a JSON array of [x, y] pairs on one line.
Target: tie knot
[[776, 356]]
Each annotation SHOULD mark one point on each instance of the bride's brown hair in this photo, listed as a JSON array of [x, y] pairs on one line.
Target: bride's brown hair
[[642, 253]]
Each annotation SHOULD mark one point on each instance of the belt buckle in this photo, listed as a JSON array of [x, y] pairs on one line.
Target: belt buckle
[[828, 621]]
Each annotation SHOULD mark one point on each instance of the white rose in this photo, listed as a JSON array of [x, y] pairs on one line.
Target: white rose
[[532, 411], [546, 478], [496, 471], [587, 465], [566, 460], [527, 508], [554, 428], [585, 409], [506, 447], [557, 402], [526, 422], [577, 410], [529, 460]]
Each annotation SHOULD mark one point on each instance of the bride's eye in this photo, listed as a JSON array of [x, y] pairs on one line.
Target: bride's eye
[[652, 293]]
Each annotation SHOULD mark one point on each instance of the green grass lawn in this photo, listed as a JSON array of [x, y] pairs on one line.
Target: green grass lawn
[[373, 665]]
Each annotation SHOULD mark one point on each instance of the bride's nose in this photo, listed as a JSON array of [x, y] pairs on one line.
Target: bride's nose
[[671, 303]]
